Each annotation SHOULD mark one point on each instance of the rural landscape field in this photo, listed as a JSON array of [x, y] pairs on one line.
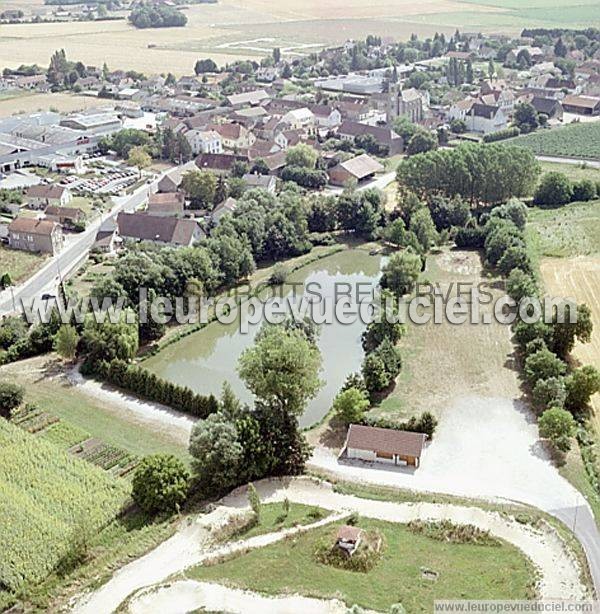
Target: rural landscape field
[[231, 29], [274, 329]]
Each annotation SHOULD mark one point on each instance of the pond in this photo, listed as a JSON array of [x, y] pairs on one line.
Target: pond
[[206, 359]]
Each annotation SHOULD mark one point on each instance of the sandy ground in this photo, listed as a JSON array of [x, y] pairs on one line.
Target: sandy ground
[[177, 426], [190, 546], [558, 569], [483, 447], [188, 595]]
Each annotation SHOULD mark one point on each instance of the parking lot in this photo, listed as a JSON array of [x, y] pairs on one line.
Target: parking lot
[[103, 177]]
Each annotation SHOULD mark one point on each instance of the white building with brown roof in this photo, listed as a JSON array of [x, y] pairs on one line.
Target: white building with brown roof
[[32, 235], [374, 444], [42, 195], [234, 136]]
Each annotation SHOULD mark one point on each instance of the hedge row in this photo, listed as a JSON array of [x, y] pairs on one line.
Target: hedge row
[[425, 423], [501, 135], [148, 385]]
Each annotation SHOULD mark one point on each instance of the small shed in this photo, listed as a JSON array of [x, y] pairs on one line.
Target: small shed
[[348, 538]]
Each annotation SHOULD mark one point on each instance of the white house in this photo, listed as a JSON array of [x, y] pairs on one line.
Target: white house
[[204, 141], [42, 195], [299, 119], [485, 118]]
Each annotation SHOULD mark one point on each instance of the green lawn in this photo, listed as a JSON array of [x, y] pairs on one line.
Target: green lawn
[[576, 172], [465, 570], [580, 140], [572, 230], [94, 417], [273, 518], [19, 264]]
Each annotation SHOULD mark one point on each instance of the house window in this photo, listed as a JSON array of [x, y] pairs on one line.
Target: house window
[[16, 236]]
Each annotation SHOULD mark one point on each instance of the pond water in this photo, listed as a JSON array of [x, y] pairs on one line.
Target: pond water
[[206, 359]]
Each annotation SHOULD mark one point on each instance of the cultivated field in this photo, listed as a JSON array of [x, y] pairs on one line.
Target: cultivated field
[[25, 102], [580, 140], [51, 504], [579, 278], [231, 29]]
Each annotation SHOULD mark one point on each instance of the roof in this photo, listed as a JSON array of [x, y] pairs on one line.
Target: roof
[[362, 166], [382, 135], [32, 226], [348, 533], [484, 110], [254, 180], [545, 105], [253, 97], [388, 441], [222, 162], [153, 228], [45, 191], [587, 102], [163, 198], [228, 131], [275, 161], [68, 212]]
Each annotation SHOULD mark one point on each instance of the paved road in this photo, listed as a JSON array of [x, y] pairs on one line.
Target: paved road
[[565, 160], [61, 265]]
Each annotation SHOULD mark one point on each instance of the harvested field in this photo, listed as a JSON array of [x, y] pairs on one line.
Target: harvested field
[[229, 29], [30, 102], [579, 278]]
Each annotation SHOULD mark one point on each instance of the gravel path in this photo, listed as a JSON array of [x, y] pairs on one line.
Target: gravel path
[[188, 595]]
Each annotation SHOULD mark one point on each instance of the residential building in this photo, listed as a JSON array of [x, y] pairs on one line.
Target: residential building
[[157, 229], [234, 136], [550, 107], [485, 119], [204, 141], [33, 235], [263, 182], [374, 444], [385, 137], [44, 194], [166, 204], [106, 238], [299, 119], [227, 206], [357, 169], [68, 217]]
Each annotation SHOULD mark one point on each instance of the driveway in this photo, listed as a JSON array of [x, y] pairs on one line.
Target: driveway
[[485, 448]]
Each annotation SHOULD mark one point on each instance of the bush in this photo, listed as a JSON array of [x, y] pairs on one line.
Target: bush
[[446, 531], [470, 237], [425, 423], [279, 275], [584, 190], [550, 392], [350, 405], [555, 189], [11, 396], [363, 559], [520, 285], [501, 135], [543, 364], [557, 425], [160, 483]]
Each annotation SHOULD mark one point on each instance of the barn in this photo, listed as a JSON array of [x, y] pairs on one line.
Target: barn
[[374, 444]]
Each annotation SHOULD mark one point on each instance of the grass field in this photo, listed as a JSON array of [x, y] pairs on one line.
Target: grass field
[[231, 29], [482, 572], [581, 140], [97, 418], [27, 102], [576, 172], [440, 361], [19, 264], [572, 230]]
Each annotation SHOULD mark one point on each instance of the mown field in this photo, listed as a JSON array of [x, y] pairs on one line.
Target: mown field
[[51, 504], [442, 361], [19, 264], [481, 572], [28, 102], [230, 29], [580, 140]]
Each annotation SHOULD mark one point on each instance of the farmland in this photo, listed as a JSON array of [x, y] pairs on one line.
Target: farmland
[[581, 140], [463, 569], [229, 30], [51, 504], [19, 264], [573, 230], [28, 102]]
